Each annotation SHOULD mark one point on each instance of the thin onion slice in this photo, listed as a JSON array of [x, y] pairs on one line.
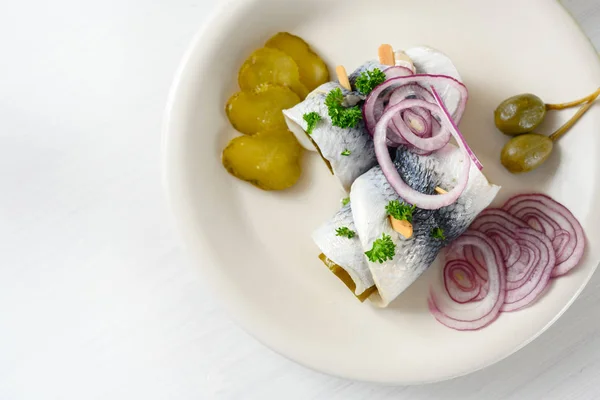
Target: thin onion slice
[[476, 315], [474, 257], [555, 221], [528, 275], [538, 276], [500, 226], [397, 71], [461, 281], [421, 200], [455, 132], [533, 234], [376, 99]]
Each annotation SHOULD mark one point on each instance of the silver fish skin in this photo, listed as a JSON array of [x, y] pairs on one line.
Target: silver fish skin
[[332, 140], [345, 252], [372, 192], [367, 66]]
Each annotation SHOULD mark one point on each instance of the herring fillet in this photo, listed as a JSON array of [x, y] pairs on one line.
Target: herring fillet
[[332, 140], [431, 61], [372, 192], [345, 252]]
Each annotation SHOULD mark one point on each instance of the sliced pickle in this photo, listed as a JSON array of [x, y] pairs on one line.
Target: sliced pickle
[[313, 70], [271, 66], [260, 109], [345, 277], [268, 160]]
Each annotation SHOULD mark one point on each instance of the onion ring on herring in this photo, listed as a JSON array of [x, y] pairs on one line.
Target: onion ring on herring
[[421, 200]]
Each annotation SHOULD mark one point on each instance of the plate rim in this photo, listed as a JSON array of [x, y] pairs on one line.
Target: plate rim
[[206, 254]]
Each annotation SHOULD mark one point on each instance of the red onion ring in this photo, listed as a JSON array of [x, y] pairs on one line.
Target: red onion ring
[[527, 276], [455, 131], [375, 103], [533, 235], [474, 257], [397, 71], [487, 310], [501, 226], [421, 200], [461, 281], [390, 73], [555, 221], [538, 276], [410, 90]]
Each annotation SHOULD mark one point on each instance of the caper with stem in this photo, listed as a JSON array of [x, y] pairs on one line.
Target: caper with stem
[[526, 152], [525, 112]]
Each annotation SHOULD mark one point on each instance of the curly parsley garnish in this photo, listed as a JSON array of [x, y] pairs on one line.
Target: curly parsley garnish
[[343, 117], [345, 201], [312, 119], [438, 233], [400, 210], [367, 80], [346, 152], [383, 249], [345, 231]]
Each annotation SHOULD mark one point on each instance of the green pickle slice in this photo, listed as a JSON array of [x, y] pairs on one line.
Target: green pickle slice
[[345, 277], [271, 66], [268, 160], [260, 109], [313, 70]]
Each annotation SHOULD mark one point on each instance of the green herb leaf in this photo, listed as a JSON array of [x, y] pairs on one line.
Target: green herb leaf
[[312, 119], [368, 80], [383, 249], [345, 231], [346, 152], [345, 201], [343, 117], [438, 233], [400, 210]]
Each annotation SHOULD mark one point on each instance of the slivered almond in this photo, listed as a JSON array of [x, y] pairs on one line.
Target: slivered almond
[[342, 76], [403, 227], [440, 190], [386, 55]]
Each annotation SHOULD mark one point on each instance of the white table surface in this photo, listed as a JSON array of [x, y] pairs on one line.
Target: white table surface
[[97, 298]]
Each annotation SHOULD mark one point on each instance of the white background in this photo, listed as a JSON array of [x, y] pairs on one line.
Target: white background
[[97, 299]]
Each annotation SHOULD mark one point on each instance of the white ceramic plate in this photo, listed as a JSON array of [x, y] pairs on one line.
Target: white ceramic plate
[[255, 248]]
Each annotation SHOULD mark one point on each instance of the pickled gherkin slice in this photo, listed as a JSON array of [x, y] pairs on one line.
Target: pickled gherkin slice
[[345, 277], [313, 70], [260, 109], [268, 160], [271, 66]]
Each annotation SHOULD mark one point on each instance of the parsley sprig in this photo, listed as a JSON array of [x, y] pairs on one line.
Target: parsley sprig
[[345, 232], [368, 80], [383, 249], [312, 119], [343, 117], [438, 233], [400, 210]]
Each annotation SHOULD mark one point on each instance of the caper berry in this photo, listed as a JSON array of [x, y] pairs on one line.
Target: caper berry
[[520, 114], [526, 152]]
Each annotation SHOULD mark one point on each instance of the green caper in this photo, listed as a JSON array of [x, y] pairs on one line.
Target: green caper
[[520, 114], [526, 152]]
